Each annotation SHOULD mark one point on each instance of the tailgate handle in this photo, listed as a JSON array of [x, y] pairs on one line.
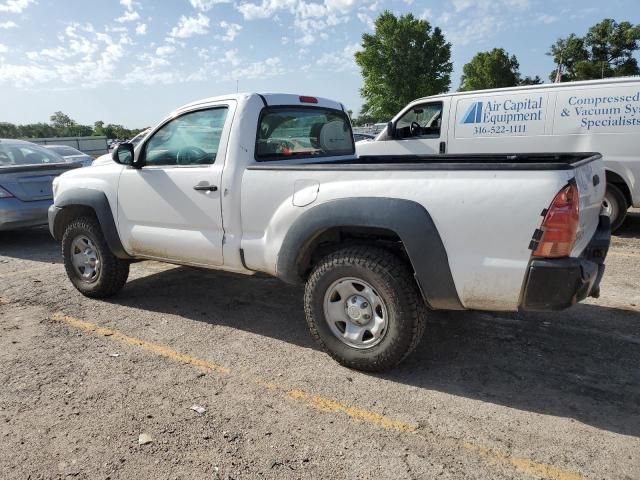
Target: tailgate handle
[[596, 180]]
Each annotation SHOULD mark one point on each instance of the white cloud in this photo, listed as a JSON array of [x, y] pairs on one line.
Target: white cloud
[[473, 30], [165, 50], [128, 4], [190, 26], [15, 6], [8, 25], [547, 19], [310, 18], [231, 31], [3, 48], [85, 58], [268, 68], [426, 14], [367, 20], [206, 5], [141, 29], [461, 5], [340, 61], [129, 16]]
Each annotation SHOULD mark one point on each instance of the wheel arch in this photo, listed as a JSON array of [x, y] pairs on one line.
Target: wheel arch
[[403, 225], [79, 202], [617, 180]]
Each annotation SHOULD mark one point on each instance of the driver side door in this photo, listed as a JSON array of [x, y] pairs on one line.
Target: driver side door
[[421, 130], [170, 209]]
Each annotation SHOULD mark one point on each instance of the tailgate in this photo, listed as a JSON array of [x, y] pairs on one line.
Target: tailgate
[[31, 183], [591, 180]]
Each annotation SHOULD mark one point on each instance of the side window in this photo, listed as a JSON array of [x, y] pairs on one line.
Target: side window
[[422, 120], [34, 156], [191, 139]]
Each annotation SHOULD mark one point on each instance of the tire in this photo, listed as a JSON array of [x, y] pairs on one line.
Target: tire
[[615, 204], [83, 241], [395, 299]]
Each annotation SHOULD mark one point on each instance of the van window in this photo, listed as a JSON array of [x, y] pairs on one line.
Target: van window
[[303, 132], [422, 120]]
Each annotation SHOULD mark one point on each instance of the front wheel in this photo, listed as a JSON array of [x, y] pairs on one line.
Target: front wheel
[[91, 266], [364, 308], [615, 205]]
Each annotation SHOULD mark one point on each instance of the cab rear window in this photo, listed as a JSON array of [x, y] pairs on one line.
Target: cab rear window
[[303, 132]]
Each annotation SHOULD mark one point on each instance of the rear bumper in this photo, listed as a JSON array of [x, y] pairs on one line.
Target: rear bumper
[[556, 284], [16, 214]]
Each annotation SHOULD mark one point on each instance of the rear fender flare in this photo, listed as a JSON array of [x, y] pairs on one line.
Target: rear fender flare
[[409, 220]]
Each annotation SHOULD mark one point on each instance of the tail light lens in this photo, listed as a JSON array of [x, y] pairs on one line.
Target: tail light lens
[[560, 225]]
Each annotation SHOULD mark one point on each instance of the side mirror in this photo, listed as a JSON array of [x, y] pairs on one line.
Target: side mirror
[[391, 130], [123, 154]]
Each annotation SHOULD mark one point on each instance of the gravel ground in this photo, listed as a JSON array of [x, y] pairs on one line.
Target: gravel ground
[[485, 395]]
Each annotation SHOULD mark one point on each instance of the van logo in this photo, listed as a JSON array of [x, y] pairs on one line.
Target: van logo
[[474, 114]]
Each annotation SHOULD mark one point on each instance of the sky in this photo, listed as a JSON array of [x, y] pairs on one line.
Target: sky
[[131, 62]]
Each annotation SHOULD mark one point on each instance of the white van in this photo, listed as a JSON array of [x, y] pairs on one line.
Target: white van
[[592, 116]]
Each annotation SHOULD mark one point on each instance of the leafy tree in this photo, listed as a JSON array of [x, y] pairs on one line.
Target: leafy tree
[[531, 81], [61, 121], [607, 50], [494, 69], [402, 60], [98, 128]]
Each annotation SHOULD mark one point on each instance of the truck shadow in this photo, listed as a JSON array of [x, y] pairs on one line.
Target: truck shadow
[[581, 364], [35, 244], [631, 226]]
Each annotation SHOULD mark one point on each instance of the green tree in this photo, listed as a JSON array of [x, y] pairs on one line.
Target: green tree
[[494, 69], [62, 123], [531, 81], [98, 128], [405, 58], [607, 50]]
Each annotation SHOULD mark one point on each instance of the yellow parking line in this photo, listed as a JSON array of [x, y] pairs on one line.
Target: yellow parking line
[[323, 404], [524, 465], [136, 342]]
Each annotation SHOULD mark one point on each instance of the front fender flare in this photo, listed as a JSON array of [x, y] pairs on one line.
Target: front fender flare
[[408, 219], [99, 203]]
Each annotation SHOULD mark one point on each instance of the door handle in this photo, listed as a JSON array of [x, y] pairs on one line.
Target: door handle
[[205, 188]]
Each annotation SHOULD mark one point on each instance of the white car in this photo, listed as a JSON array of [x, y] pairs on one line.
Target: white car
[[597, 116], [270, 183]]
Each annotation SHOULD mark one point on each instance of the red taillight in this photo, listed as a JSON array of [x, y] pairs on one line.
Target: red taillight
[[305, 99], [560, 224]]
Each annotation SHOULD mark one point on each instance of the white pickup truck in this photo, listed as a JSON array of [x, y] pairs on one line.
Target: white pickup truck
[[271, 183]]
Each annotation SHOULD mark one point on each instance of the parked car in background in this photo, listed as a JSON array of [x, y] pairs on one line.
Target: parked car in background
[[70, 154], [360, 137], [596, 115], [27, 171], [106, 159]]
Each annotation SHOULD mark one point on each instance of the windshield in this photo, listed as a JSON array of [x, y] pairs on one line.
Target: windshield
[[302, 132], [26, 154], [65, 151]]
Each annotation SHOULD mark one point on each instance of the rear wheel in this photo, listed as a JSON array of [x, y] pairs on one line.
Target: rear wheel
[[615, 205], [363, 307], [90, 265]]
